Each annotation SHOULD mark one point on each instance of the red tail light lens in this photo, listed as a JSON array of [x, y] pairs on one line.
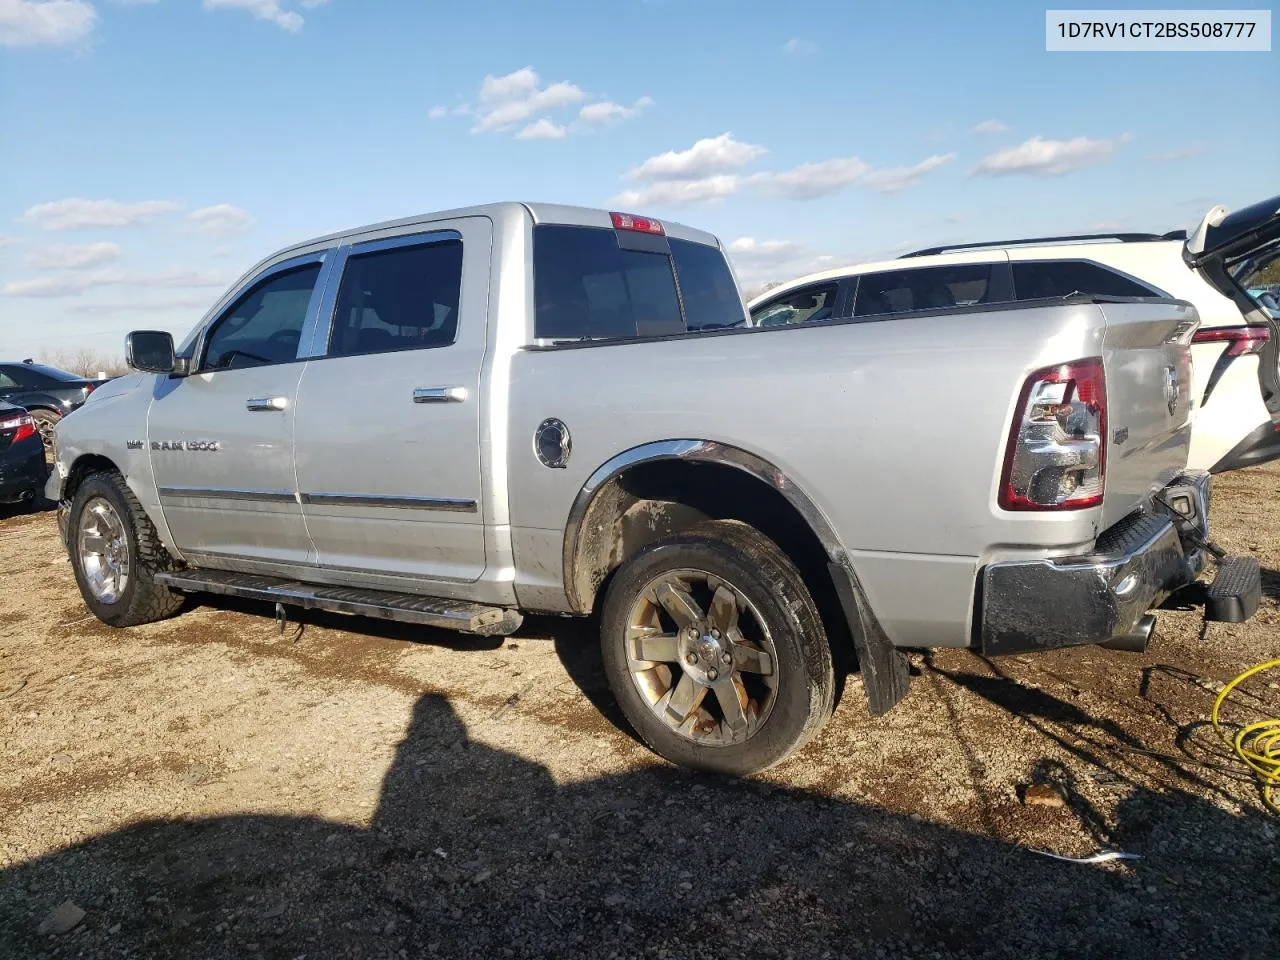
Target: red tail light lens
[[24, 425], [627, 221], [88, 389], [1241, 341], [1057, 453]]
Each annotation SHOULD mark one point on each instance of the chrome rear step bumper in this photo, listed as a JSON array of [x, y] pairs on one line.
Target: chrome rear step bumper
[[1103, 597]]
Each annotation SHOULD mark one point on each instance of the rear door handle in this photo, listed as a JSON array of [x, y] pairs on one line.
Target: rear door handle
[[267, 403], [439, 394]]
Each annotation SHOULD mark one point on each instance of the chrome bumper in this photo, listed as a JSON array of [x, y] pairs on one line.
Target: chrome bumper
[[1103, 596]]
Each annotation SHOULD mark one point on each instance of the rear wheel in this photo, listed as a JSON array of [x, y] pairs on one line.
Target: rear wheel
[[715, 651], [116, 553], [46, 421]]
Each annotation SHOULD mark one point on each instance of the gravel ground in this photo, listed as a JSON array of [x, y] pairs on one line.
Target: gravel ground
[[212, 787]]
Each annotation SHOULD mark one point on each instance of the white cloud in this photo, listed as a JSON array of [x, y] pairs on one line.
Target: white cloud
[[609, 112], [1180, 153], [759, 263], [77, 213], [273, 11], [989, 127], [1047, 158], [438, 113], [9, 241], [711, 155], [74, 284], [219, 220], [796, 47], [543, 129], [679, 193], [893, 179], [516, 97], [749, 248], [810, 180], [32, 23], [74, 257]]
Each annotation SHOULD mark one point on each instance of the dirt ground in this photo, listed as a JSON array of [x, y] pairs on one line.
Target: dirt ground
[[211, 787]]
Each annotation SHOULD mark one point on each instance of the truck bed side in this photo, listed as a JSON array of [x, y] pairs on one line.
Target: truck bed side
[[896, 431]]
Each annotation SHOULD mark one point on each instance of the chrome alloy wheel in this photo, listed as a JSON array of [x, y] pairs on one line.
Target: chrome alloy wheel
[[702, 658], [104, 550]]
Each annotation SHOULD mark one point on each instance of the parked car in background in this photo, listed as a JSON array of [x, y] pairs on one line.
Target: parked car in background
[[23, 470], [47, 393], [1236, 352], [461, 418]]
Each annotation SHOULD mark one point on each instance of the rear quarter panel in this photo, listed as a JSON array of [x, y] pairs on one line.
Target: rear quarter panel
[[895, 430]]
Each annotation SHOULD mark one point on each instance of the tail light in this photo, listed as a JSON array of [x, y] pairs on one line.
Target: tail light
[[24, 425], [1057, 453], [626, 221], [1241, 341], [88, 389]]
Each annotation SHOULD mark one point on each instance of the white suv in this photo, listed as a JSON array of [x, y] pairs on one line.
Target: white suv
[[1236, 385]]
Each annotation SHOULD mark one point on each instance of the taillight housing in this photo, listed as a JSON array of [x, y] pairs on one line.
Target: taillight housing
[[24, 425], [1241, 341], [1057, 453]]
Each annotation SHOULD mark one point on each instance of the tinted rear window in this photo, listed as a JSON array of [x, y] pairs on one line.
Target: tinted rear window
[[711, 298], [38, 375], [588, 286], [1053, 279]]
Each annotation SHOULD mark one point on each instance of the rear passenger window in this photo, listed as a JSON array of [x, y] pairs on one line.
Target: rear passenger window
[[927, 288], [806, 305], [1054, 279], [265, 325], [405, 298], [587, 287], [710, 294]]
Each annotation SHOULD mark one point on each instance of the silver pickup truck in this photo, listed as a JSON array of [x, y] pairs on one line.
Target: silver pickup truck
[[461, 418]]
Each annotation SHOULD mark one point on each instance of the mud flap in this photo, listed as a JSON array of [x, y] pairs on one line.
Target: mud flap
[[886, 672]]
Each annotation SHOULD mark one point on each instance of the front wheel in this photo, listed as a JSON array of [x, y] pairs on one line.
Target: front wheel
[[116, 552], [715, 651]]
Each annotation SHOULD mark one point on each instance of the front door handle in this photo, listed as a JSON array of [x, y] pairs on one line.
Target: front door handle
[[439, 394], [267, 403]]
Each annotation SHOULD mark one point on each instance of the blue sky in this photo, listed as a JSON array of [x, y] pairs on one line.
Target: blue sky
[[152, 150]]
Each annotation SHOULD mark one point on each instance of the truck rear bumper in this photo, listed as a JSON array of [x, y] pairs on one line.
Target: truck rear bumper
[[1103, 596]]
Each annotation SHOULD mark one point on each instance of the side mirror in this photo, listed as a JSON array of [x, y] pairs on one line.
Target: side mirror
[[150, 351]]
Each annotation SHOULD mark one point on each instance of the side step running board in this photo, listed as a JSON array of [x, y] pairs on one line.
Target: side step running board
[[383, 604]]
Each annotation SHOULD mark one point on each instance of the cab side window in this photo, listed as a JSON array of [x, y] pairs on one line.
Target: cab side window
[[806, 305], [402, 298], [926, 288], [265, 325]]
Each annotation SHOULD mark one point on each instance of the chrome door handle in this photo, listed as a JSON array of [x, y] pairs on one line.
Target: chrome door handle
[[439, 394], [267, 403]]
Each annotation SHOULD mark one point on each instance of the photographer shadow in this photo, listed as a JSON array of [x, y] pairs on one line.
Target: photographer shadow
[[477, 852]]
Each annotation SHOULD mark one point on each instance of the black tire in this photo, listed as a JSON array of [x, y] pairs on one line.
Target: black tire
[[766, 577], [45, 420], [142, 600]]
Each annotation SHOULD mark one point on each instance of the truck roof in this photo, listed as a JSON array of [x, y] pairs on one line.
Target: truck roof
[[505, 211]]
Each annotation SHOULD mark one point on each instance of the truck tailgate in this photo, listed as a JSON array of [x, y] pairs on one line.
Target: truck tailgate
[[1147, 358]]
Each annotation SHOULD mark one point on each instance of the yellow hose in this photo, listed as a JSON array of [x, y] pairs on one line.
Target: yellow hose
[[1257, 743]]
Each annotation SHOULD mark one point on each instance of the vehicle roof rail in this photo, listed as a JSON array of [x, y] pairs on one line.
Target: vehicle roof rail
[[1030, 241]]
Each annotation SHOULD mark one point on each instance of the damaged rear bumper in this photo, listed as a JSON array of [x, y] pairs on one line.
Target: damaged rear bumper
[[1103, 596]]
